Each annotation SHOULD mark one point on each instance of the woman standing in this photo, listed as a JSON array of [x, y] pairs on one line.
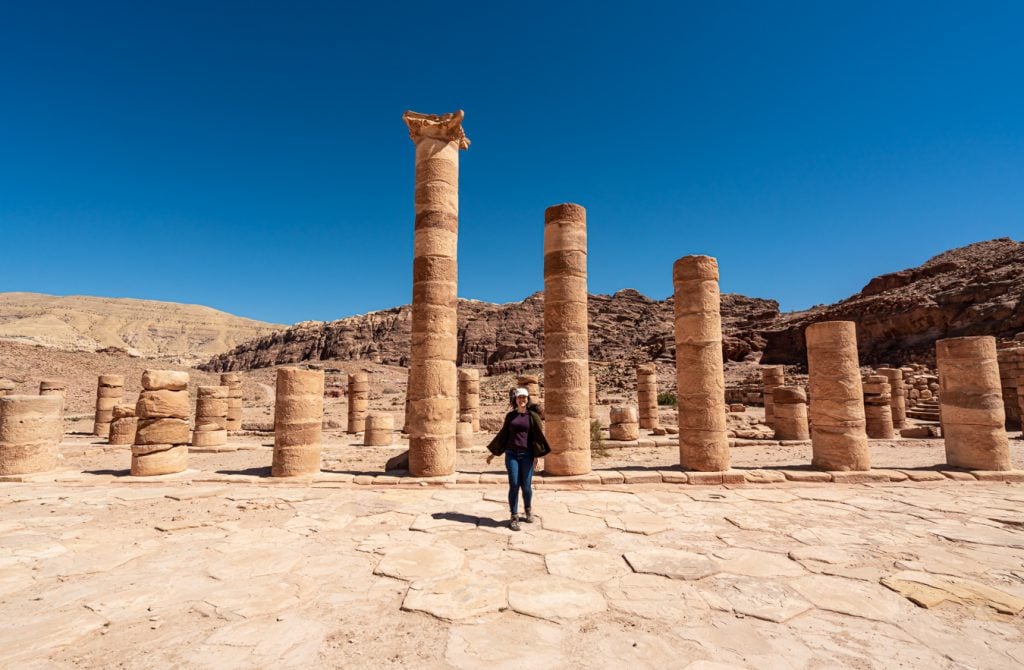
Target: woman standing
[[522, 440]]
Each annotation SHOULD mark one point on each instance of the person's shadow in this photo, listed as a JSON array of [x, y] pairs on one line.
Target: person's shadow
[[469, 519]]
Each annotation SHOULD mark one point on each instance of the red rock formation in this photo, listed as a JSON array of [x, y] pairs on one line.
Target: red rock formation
[[973, 290]]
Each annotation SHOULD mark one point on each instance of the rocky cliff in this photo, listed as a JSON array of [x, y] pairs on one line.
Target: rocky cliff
[[506, 338], [973, 290]]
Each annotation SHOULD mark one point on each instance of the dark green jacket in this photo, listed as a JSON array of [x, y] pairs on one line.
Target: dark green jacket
[[538, 443]]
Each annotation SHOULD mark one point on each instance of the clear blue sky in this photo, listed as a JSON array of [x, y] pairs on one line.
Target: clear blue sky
[[252, 156]]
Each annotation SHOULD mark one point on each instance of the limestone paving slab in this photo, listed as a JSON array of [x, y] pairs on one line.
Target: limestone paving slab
[[463, 596], [419, 563], [671, 563], [555, 598], [586, 565], [763, 599], [656, 597]]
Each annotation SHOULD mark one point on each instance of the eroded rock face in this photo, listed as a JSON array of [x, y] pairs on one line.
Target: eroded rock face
[[509, 337], [973, 290]]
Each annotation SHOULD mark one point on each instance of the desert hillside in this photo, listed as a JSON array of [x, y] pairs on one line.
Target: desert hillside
[[146, 328]]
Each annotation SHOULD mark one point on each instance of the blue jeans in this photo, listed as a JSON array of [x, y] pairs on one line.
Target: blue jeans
[[520, 476]]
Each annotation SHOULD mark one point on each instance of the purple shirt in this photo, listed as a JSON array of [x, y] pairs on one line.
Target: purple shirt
[[519, 432]]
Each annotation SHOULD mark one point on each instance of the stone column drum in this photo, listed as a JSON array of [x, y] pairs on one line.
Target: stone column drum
[[532, 384], [6, 387], [700, 374], [790, 404], [838, 437], [897, 396], [469, 396], [30, 433], [123, 425], [772, 376], [162, 433], [233, 381], [464, 435], [593, 396], [433, 384], [109, 392], [624, 425], [211, 417], [647, 395], [57, 387], [358, 402], [971, 399], [878, 408], [380, 430], [298, 422], [566, 351], [1011, 368]]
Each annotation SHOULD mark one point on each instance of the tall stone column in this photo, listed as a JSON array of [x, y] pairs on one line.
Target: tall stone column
[[897, 396], [233, 381], [838, 437], [469, 397], [433, 386], [109, 392], [772, 376], [593, 396], [647, 395], [700, 373], [971, 400], [566, 351], [298, 422], [30, 433], [358, 402]]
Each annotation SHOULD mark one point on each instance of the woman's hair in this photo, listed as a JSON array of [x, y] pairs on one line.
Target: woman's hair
[[512, 397]]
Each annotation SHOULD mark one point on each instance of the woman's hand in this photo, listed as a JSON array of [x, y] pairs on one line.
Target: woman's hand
[[490, 458]]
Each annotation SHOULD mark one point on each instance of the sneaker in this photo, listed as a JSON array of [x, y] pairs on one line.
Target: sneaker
[[529, 517], [514, 524]]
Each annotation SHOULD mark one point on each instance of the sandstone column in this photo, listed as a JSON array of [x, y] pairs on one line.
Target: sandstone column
[[1011, 368], [6, 387], [358, 402], [233, 381], [623, 425], [464, 435], [123, 425], [532, 384], [593, 397], [109, 392], [878, 407], [30, 433], [838, 437], [469, 396], [971, 399], [57, 387], [433, 385], [647, 395], [700, 374], [790, 403], [898, 396], [161, 436], [379, 431], [211, 417], [566, 353], [298, 422], [772, 376]]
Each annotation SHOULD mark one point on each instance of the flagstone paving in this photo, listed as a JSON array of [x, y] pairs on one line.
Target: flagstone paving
[[213, 575]]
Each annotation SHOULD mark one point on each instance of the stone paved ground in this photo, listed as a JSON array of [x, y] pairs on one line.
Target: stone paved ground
[[101, 573]]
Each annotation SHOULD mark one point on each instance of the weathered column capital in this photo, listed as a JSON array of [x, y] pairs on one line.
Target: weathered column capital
[[446, 127]]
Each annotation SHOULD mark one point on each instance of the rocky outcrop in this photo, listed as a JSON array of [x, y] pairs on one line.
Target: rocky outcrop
[[153, 329], [973, 290], [626, 326]]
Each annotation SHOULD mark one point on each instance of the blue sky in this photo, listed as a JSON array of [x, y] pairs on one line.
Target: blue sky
[[252, 156]]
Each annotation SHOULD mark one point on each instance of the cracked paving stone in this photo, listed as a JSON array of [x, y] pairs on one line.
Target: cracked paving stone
[[762, 599], [672, 563], [464, 596], [586, 565], [419, 563], [555, 598], [656, 597]]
